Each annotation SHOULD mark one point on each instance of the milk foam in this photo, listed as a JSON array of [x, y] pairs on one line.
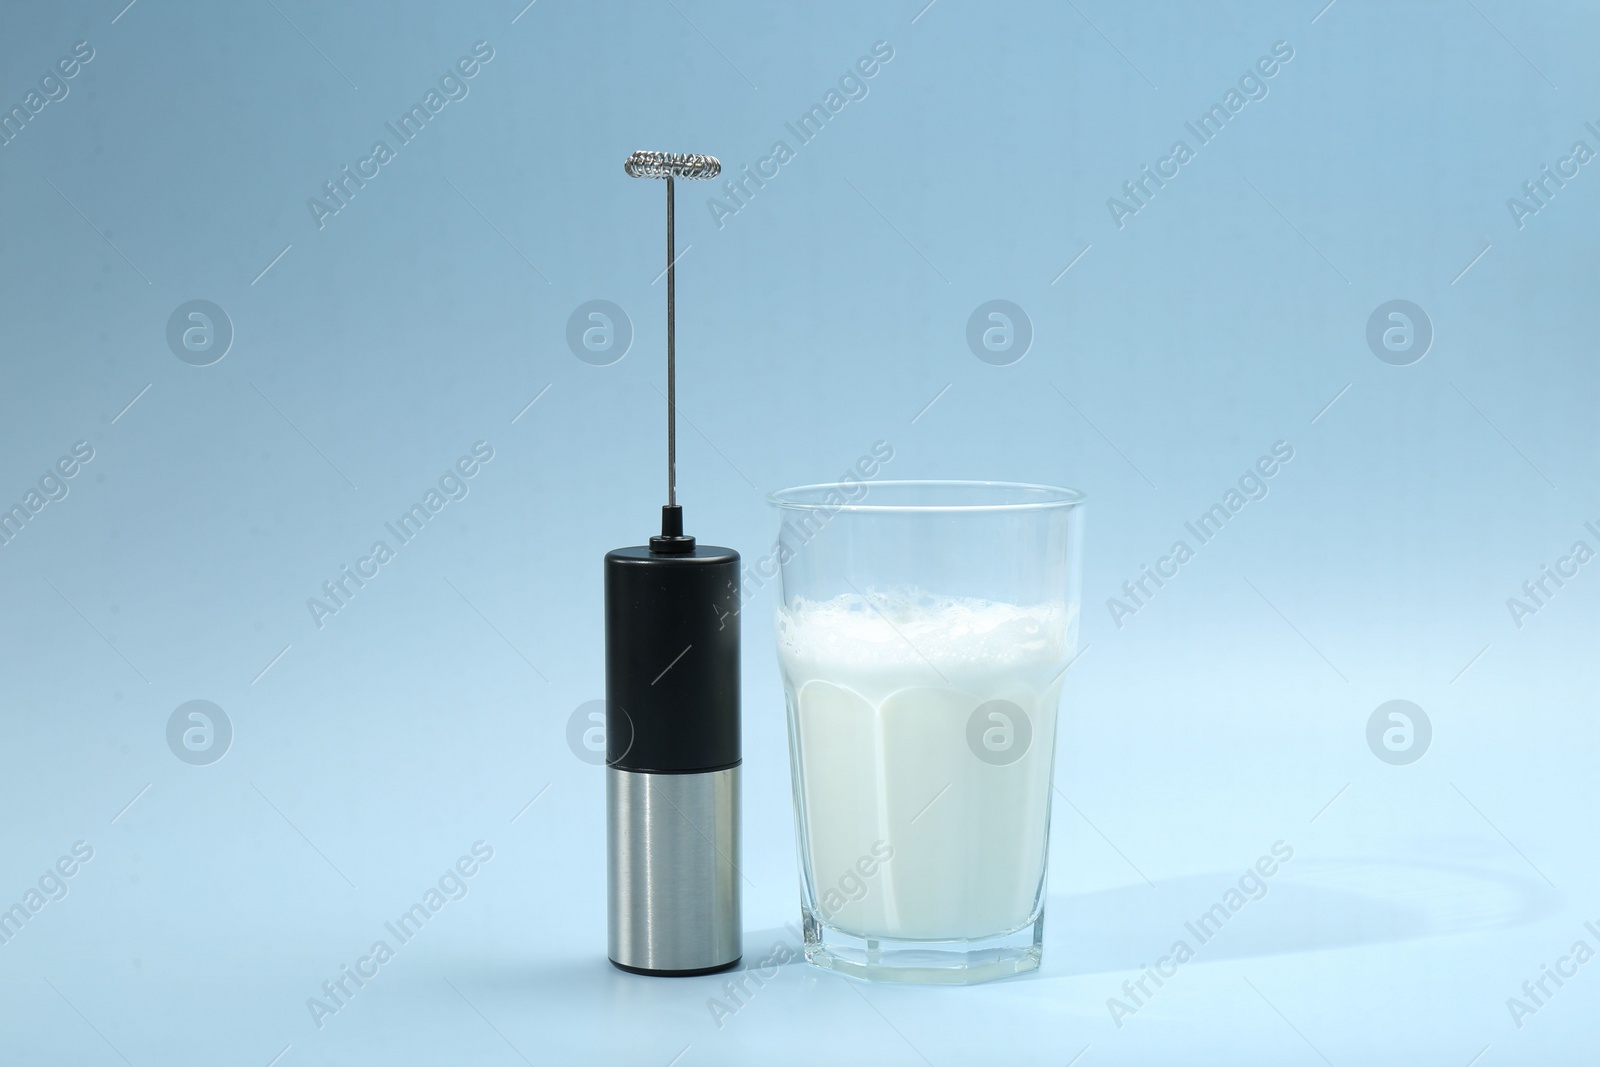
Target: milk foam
[[877, 645]]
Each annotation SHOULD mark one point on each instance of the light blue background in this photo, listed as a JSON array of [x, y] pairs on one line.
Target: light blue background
[[369, 354]]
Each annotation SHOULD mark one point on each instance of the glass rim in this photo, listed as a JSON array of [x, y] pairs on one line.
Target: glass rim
[[1034, 496]]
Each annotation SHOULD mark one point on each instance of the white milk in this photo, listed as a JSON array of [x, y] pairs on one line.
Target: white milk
[[880, 698]]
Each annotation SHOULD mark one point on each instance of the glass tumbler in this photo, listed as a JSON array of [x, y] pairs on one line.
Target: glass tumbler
[[923, 632]]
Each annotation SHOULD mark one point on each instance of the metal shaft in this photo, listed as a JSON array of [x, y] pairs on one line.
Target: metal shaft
[[669, 165], [672, 392]]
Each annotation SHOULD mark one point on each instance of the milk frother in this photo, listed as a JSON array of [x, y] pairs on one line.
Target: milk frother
[[672, 715]]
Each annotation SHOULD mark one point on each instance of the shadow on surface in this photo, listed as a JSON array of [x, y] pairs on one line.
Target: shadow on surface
[[1323, 904]]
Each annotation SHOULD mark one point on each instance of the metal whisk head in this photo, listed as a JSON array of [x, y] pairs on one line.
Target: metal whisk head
[[672, 165]]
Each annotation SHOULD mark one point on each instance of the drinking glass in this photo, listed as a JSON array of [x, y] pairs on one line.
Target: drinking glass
[[923, 632]]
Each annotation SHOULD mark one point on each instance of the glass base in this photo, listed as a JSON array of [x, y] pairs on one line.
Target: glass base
[[891, 959]]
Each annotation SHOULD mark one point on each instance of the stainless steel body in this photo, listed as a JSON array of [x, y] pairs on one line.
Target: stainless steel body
[[672, 866]]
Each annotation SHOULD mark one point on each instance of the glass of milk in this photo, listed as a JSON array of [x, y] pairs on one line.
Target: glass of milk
[[923, 631]]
